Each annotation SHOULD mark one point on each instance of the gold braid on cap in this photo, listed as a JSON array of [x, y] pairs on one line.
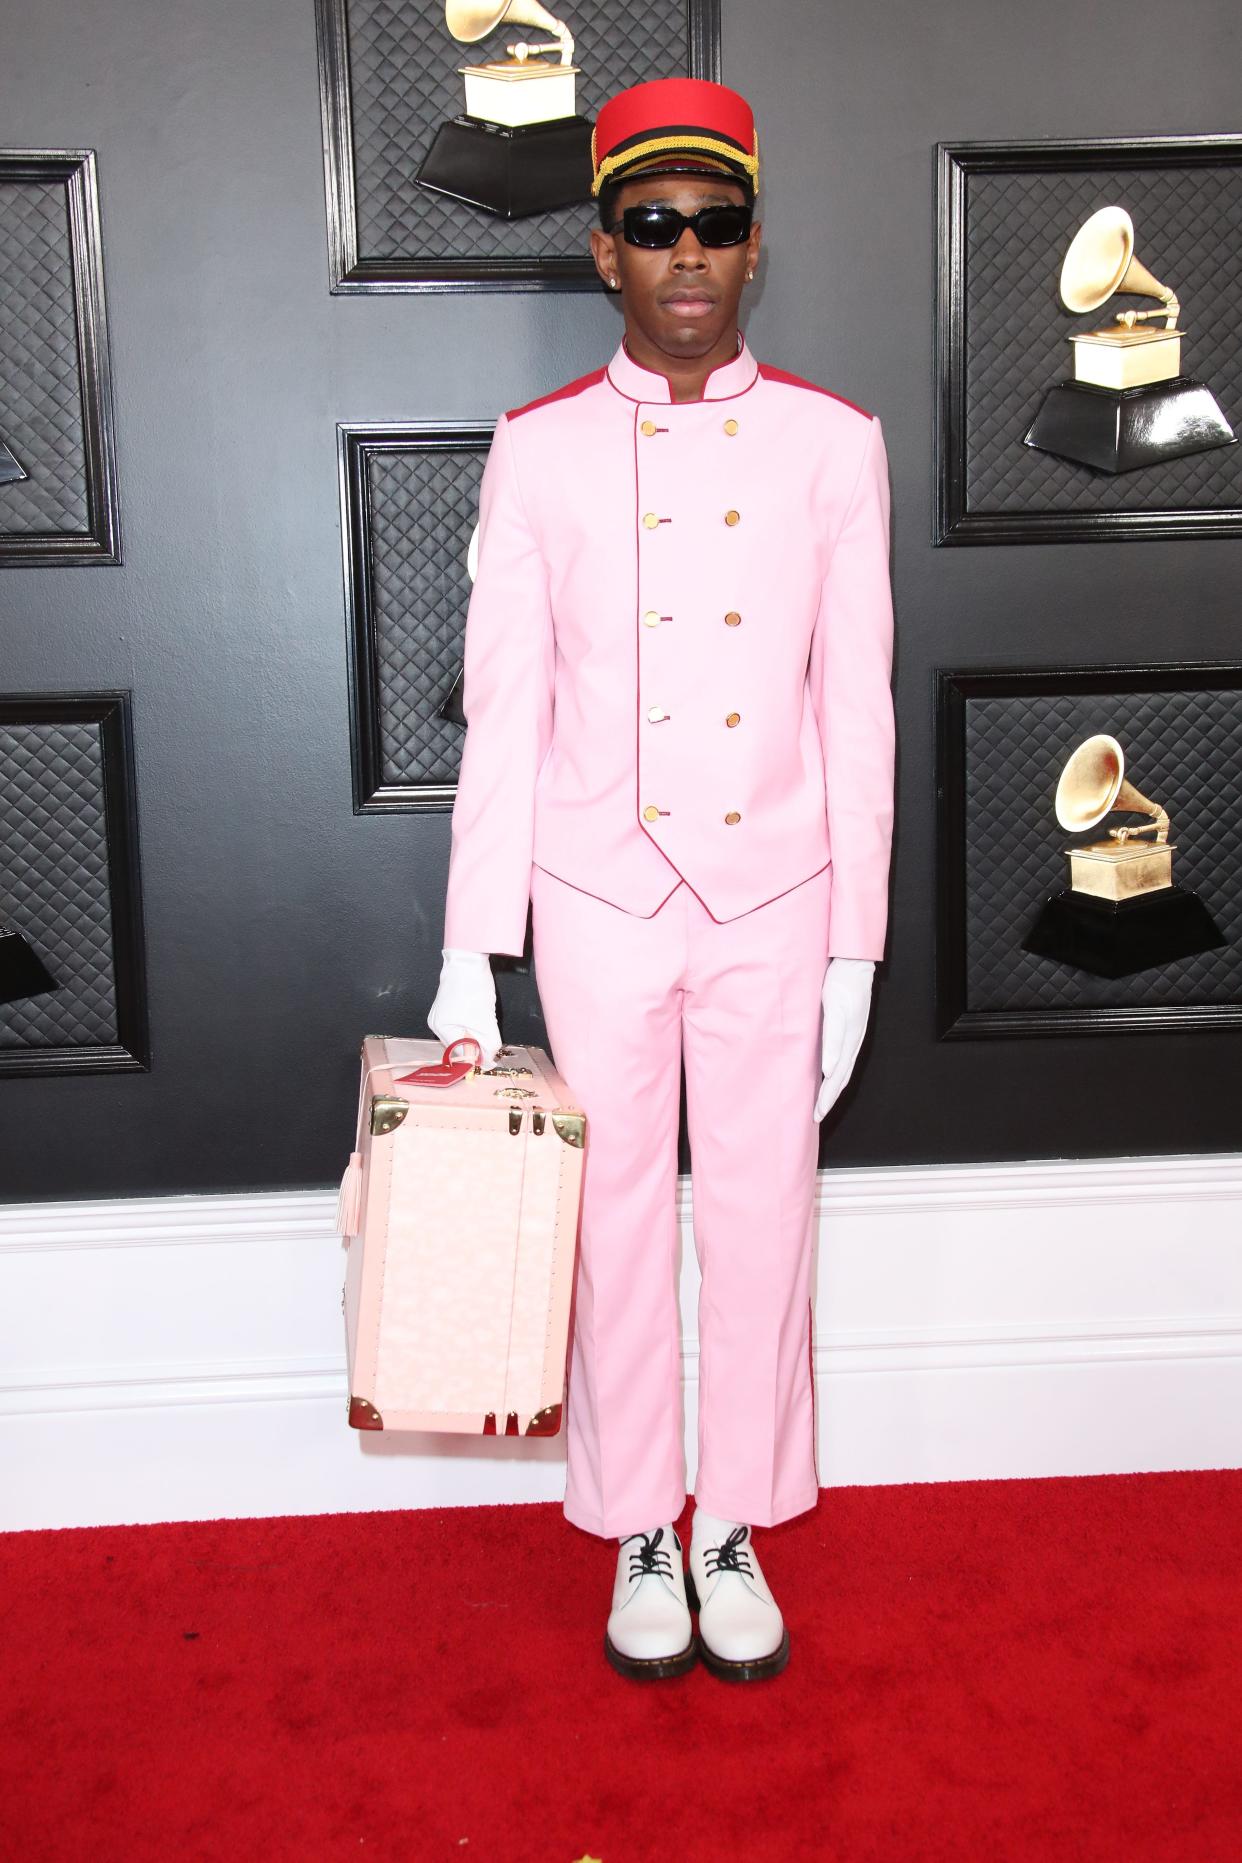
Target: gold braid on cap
[[661, 145]]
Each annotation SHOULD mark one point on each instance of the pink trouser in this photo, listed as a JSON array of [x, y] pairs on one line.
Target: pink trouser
[[621, 996]]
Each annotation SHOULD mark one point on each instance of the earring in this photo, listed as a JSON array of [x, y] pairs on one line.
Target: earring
[[614, 284], [750, 274]]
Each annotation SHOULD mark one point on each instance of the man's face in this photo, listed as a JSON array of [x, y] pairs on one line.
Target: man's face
[[684, 298]]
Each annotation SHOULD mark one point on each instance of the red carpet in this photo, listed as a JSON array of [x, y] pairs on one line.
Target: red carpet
[[981, 1670]]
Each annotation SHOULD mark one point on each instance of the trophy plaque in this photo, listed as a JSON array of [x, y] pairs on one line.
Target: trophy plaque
[[1129, 404], [1122, 911], [519, 148]]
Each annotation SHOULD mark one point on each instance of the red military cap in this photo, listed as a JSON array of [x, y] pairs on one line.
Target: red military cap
[[671, 125]]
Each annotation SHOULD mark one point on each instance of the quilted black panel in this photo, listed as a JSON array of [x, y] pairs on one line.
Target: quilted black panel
[[405, 81], [1184, 750], [40, 396], [423, 508], [54, 881], [1188, 232]]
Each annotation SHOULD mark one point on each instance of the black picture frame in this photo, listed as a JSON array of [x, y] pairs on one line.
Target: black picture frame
[[357, 445], [957, 1017], [352, 272], [111, 711], [957, 520], [100, 542]]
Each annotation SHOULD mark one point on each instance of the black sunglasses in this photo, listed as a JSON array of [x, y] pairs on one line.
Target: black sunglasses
[[657, 226]]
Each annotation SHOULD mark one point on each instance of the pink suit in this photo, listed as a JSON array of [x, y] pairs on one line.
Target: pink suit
[[680, 748]]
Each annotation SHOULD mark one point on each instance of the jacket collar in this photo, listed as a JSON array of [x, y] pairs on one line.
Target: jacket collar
[[630, 379]]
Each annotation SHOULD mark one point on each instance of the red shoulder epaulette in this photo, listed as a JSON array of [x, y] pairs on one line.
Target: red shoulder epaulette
[[795, 381], [560, 394]]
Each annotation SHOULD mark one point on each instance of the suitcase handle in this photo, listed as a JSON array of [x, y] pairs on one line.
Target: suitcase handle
[[460, 1070], [445, 1072]]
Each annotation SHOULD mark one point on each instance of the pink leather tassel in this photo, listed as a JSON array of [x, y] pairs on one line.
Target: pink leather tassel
[[349, 1203]]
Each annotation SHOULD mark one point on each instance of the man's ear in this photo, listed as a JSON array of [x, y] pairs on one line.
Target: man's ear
[[604, 253]]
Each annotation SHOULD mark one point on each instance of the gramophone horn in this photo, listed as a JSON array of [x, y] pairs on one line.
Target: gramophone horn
[[1093, 784], [1101, 261], [1090, 783], [471, 20]]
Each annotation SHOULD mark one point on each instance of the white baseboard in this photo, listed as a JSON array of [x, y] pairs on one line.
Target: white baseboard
[[182, 1357]]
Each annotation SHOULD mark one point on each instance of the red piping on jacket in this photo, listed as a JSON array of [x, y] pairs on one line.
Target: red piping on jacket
[[560, 394], [770, 374]]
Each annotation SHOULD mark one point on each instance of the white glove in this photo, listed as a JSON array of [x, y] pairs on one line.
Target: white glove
[[847, 1005], [465, 1002]]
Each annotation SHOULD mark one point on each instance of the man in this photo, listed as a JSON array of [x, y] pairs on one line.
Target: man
[[680, 747]]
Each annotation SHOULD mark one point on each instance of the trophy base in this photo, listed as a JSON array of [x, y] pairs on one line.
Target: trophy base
[[510, 171], [22, 971], [11, 468], [1119, 429], [1115, 940], [453, 710]]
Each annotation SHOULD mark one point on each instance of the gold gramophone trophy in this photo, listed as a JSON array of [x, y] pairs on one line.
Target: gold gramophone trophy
[[520, 148], [1129, 403], [1121, 911]]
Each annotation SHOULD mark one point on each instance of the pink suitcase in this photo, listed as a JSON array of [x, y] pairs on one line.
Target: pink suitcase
[[461, 1202]]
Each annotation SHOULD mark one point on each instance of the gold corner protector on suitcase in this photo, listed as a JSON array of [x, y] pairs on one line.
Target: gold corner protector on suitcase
[[363, 1415], [387, 1112], [571, 1127]]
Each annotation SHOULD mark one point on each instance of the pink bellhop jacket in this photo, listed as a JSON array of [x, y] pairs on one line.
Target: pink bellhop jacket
[[677, 655]]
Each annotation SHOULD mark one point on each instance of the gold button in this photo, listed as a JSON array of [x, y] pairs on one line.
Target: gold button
[[651, 618], [734, 718], [733, 619], [651, 812], [648, 427], [650, 520], [730, 427], [733, 517], [732, 817], [656, 714]]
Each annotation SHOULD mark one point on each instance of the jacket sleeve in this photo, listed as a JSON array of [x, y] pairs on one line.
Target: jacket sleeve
[[849, 670], [507, 698]]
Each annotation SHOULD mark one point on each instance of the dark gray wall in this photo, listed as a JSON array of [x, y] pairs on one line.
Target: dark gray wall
[[280, 926]]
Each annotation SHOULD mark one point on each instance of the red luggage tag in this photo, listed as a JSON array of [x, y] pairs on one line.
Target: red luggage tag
[[445, 1072]]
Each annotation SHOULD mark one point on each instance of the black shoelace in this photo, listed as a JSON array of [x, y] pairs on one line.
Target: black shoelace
[[728, 1556], [650, 1556]]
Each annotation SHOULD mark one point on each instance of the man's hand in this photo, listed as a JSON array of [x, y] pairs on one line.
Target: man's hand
[[465, 1002], [847, 1005]]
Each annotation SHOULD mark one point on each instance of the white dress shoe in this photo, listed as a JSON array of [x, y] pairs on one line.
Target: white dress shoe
[[649, 1632], [742, 1635]]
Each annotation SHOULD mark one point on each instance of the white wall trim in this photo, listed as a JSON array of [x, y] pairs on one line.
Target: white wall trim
[[291, 1380], [165, 1222], [1036, 1185], [182, 1357], [111, 1387]]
